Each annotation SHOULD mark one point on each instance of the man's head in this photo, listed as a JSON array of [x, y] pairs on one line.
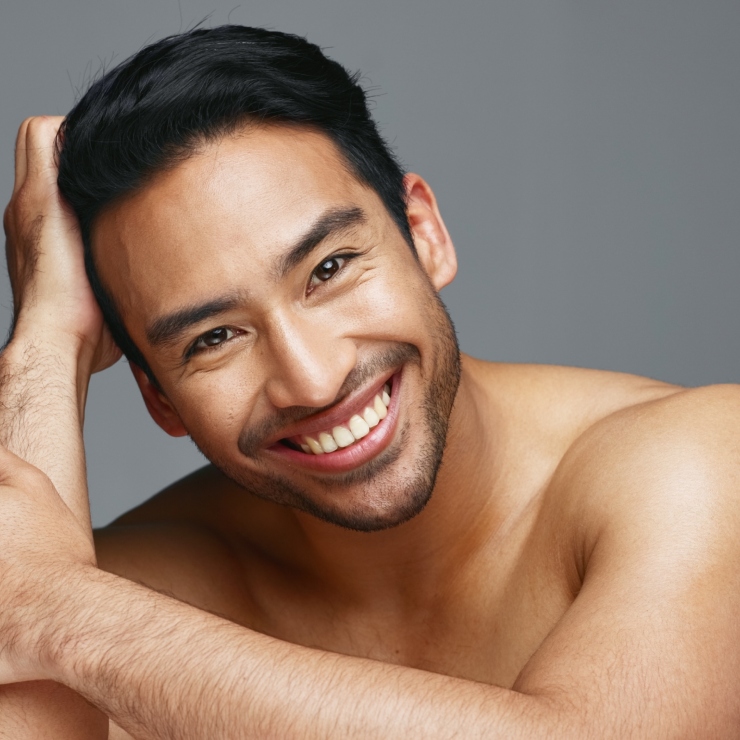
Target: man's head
[[266, 268], [176, 95]]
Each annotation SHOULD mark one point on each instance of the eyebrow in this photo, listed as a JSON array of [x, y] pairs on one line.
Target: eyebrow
[[330, 223], [167, 329]]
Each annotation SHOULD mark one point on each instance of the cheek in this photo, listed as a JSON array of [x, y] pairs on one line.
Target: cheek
[[391, 306], [215, 405]]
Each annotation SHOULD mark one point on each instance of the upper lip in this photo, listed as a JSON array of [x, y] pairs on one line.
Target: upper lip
[[352, 404]]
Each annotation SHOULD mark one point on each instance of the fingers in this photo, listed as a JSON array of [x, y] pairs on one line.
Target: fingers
[[40, 142], [34, 150], [20, 156]]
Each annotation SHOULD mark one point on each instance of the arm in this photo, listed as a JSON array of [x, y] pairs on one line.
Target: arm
[[58, 338], [648, 649]]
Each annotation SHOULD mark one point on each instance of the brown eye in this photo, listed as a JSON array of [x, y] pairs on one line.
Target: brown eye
[[213, 338], [327, 269]]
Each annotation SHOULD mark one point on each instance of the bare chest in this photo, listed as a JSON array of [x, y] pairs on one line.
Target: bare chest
[[485, 626]]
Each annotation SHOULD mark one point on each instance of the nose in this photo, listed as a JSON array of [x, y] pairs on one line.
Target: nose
[[308, 362]]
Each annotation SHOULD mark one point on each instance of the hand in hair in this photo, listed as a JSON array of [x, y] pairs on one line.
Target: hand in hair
[[51, 294]]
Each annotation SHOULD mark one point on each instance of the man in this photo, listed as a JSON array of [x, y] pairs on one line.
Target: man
[[396, 541]]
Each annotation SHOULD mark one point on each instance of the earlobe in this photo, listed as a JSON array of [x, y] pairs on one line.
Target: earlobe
[[158, 405], [434, 246]]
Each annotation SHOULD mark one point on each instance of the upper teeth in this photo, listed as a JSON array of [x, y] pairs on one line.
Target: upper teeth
[[358, 426]]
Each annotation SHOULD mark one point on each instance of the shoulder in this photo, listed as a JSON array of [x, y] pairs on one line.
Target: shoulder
[[563, 401], [646, 503], [686, 429], [666, 468]]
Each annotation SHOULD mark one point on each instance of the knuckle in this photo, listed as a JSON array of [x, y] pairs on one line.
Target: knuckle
[[31, 199], [25, 123], [8, 218], [43, 126], [16, 209], [32, 124]]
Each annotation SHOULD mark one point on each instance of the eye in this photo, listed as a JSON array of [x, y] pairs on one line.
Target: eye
[[212, 338], [327, 269]]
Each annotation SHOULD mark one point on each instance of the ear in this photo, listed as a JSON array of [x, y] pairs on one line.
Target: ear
[[433, 244], [158, 405]]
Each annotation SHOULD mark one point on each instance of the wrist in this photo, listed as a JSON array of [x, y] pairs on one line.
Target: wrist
[[42, 612], [63, 355], [43, 328], [89, 614]]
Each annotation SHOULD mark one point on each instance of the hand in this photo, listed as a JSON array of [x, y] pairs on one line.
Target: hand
[[44, 551], [51, 293]]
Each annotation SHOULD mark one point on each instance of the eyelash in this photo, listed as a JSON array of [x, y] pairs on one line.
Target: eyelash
[[344, 258], [193, 349]]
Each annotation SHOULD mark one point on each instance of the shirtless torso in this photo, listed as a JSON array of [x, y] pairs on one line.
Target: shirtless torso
[[210, 543]]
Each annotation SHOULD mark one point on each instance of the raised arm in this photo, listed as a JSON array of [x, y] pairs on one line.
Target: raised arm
[[649, 648], [58, 339]]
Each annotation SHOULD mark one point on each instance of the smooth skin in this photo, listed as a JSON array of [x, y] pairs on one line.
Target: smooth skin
[[575, 574]]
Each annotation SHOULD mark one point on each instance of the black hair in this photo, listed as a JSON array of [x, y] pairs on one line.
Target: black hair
[[160, 105]]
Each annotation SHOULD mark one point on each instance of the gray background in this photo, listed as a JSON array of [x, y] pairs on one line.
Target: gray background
[[585, 154]]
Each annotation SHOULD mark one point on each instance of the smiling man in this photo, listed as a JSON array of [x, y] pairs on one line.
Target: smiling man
[[307, 356], [398, 541]]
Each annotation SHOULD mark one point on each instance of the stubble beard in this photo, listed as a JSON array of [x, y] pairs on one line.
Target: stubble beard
[[388, 492]]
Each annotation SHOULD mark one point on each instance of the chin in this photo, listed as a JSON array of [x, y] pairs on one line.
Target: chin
[[376, 508], [383, 493]]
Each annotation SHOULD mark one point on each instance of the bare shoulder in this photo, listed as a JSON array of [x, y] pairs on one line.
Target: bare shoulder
[[550, 410], [646, 503], [569, 390], [661, 466], [629, 459], [169, 544], [696, 428]]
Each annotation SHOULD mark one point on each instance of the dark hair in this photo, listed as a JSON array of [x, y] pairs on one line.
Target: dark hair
[[156, 108]]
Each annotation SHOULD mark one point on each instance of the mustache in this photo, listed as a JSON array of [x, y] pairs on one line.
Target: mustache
[[252, 439]]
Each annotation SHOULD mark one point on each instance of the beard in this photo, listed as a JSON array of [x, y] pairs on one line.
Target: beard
[[386, 491]]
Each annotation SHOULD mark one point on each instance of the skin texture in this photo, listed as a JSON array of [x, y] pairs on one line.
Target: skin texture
[[575, 573]]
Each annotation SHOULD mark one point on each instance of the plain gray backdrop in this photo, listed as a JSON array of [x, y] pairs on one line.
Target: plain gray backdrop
[[586, 156]]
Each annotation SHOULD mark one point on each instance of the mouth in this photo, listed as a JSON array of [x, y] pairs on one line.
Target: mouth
[[342, 440]]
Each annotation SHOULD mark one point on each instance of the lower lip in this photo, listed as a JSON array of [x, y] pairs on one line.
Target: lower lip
[[358, 453]]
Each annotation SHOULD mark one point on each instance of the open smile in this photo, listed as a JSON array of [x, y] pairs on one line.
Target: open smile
[[348, 436]]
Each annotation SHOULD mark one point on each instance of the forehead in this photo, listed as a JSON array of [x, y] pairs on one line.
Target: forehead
[[197, 229]]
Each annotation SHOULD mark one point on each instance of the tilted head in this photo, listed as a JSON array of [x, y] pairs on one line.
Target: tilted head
[[263, 262], [173, 97]]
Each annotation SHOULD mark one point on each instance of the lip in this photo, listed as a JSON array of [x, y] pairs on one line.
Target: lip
[[356, 454], [354, 403]]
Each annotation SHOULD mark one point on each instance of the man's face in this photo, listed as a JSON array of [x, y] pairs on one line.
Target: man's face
[[292, 331]]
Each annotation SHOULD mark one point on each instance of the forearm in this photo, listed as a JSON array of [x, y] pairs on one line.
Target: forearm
[[162, 669], [41, 405], [43, 387]]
